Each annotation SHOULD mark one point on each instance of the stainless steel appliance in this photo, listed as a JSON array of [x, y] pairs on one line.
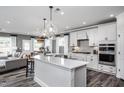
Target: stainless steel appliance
[[107, 53]]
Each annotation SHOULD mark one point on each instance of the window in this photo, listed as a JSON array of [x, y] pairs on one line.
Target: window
[[5, 45], [26, 45], [36, 45]]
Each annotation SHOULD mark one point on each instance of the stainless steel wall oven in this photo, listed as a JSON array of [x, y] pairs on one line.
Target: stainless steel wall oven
[[107, 53]]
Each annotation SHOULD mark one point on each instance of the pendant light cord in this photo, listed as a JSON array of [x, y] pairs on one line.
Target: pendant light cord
[[44, 23], [51, 7]]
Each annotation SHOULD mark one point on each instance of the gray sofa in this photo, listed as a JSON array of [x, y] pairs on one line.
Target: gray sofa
[[12, 63]]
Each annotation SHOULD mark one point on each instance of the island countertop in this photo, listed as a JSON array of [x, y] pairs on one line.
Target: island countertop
[[62, 62]]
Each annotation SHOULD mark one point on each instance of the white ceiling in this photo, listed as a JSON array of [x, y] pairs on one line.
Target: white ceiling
[[29, 19]]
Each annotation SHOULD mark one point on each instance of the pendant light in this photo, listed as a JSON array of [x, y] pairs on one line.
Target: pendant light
[[45, 32], [51, 28]]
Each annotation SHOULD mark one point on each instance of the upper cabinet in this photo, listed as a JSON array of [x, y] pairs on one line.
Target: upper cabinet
[[101, 33], [93, 36], [48, 44], [79, 35], [82, 34], [107, 31], [66, 44], [62, 42], [73, 39]]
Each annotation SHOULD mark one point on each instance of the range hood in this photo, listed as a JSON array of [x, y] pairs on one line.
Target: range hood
[[83, 36]]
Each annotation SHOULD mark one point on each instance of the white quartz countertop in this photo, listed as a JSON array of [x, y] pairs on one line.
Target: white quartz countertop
[[67, 63]]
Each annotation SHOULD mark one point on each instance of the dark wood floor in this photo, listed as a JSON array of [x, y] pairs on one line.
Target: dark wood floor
[[17, 79], [98, 79], [94, 79]]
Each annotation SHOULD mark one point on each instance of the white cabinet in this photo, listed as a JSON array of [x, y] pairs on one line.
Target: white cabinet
[[48, 44], [65, 45], [120, 46], [62, 41], [107, 31], [57, 45], [107, 69], [82, 34], [93, 36], [93, 61], [73, 39]]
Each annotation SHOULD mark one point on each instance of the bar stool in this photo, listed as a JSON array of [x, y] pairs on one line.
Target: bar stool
[[30, 67]]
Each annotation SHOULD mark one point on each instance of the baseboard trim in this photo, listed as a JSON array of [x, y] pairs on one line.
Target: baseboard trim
[[41, 83]]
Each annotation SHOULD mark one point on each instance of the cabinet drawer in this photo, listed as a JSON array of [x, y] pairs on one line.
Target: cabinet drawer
[[109, 69]]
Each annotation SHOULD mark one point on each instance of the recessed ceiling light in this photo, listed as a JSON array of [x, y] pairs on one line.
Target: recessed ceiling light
[[8, 22], [3, 29], [59, 11], [67, 27], [84, 23], [111, 15], [62, 13]]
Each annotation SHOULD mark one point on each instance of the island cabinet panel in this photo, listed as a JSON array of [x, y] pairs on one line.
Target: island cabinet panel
[[58, 72], [51, 75], [80, 77]]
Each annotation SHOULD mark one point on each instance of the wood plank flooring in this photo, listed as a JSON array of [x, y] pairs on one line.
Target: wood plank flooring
[[94, 79], [98, 79], [17, 79]]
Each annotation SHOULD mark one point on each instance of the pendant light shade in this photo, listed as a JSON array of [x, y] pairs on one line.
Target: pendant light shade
[[45, 33], [51, 28]]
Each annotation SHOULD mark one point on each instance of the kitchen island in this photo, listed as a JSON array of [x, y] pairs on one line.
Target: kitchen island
[[59, 72]]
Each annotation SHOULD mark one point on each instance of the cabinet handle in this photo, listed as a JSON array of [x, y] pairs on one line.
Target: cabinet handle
[[119, 53], [106, 38], [119, 70], [119, 35]]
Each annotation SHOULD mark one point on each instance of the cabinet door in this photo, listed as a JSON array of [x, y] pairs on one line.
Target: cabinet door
[[81, 35], [107, 31], [73, 39], [120, 46], [96, 42], [89, 65], [120, 55], [107, 69], [93, 61], [93, 36], [57, 45], [66, 45]]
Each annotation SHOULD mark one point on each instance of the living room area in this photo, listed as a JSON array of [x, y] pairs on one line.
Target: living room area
[[15, 51]]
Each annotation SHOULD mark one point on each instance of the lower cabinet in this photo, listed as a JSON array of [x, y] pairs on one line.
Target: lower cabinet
[[107, 69], [93, 61]]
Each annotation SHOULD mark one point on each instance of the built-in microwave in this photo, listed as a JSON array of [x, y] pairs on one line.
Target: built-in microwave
[[107, 53]]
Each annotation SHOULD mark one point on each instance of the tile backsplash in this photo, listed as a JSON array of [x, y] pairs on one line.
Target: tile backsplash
[[84, 46]]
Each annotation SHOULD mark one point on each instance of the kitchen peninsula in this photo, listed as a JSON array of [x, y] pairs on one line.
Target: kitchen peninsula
[[59, 72]]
